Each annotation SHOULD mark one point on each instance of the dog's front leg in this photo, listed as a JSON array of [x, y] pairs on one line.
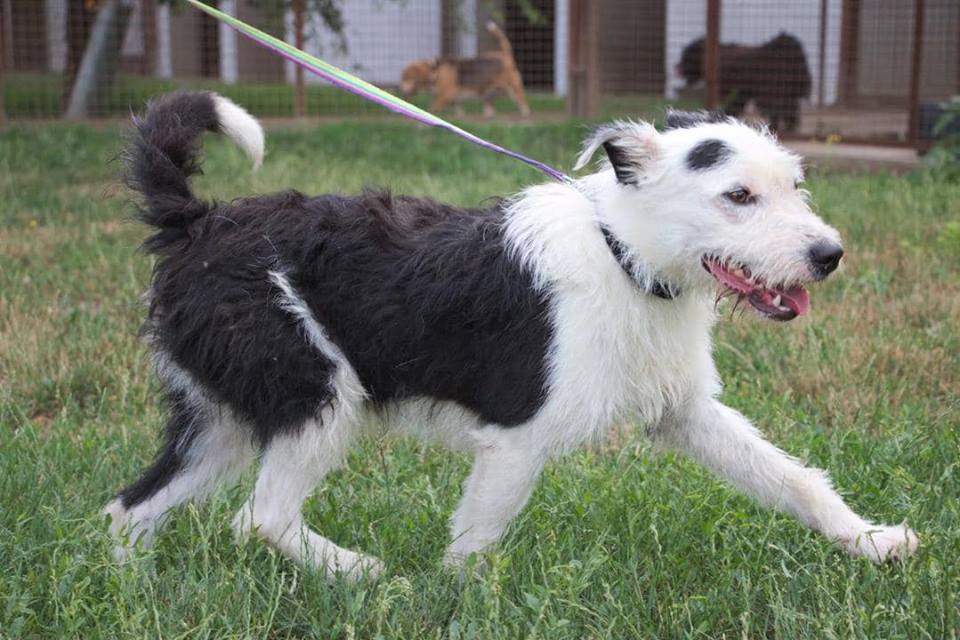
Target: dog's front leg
[[724, 441], [504, 474]]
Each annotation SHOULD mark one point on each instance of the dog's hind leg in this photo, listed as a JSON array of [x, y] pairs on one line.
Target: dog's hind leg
[[204, 446], [515, 89], [291, 467], [504, 474], [725, 442], [488, 110]]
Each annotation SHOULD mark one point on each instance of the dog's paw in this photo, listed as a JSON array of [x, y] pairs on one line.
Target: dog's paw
[[882, 544], [334, 562], [242, 524], [118, 522], [453, 561], [463, 564], [358, 566], [128, 534], [118, 516]]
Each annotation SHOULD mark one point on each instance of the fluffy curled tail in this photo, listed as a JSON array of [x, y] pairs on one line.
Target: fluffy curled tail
[[164, 152], [501, 38]]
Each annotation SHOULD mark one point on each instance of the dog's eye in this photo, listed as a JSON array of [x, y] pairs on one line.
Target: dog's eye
[[739, 196]]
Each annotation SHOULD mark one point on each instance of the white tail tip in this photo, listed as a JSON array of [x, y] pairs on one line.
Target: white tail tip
[[241, 127]]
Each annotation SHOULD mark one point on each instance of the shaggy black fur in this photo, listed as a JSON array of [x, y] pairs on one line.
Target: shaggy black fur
[[161, 156], [707, 154], [421, 297], [657, 288], [623, 168], [775, 75], [178, 436]]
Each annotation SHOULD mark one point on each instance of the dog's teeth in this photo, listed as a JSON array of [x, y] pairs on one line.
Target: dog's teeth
[[776, 301]]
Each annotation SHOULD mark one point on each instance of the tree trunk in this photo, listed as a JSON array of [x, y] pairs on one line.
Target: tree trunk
[[98, 66]]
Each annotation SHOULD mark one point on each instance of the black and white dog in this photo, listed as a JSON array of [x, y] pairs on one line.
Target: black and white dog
[[283, 324]]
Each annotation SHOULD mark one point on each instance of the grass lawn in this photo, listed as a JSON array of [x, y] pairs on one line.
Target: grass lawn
[[617, 542]]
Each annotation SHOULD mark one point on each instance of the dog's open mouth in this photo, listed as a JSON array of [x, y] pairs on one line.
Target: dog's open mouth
[[779, 303]]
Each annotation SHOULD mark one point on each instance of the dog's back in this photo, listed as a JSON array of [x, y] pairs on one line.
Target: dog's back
[[374, 269]]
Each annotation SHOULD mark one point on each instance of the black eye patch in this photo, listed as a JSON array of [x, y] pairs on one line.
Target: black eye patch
[[708, 153]]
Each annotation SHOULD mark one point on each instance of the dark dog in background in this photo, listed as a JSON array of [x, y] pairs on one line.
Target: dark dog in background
[[485, 76], [774, 75]]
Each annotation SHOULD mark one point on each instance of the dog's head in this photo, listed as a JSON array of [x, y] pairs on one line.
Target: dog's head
[[713, 202], [418, 76]]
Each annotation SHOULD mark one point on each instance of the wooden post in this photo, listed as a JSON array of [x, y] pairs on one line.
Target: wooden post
[[916, 68], [6, 31], [148, 18], [450, 25], [583, 96], [822, 53], [299, 102], [711, 56], [573, 49], [3, 103], [847, 86], [98, 66], [3, 58]]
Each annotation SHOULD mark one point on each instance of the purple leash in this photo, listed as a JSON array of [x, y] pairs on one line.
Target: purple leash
[[349, 82]]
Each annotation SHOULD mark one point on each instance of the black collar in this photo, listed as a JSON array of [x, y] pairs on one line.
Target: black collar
[[656, 287]]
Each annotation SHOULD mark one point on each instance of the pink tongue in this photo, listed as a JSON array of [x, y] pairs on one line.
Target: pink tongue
[[797, 299]]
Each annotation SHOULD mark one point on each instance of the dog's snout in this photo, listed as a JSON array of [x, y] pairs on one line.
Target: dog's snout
[[825, 257]]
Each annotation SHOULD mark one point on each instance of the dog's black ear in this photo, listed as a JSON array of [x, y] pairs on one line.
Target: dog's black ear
[[630, 148], [690, 119]]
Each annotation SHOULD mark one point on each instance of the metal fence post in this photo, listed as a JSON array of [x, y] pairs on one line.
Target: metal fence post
[[848, 83], [148, 17], [822, 53], [583, 95], [711, 56], [3, 58], [299, 106], [916, 68]]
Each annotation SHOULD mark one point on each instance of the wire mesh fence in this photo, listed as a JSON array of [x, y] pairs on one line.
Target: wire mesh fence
[[864, 70]]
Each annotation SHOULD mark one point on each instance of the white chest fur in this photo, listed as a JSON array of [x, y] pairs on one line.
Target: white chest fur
[[623, 353], [617, 351]]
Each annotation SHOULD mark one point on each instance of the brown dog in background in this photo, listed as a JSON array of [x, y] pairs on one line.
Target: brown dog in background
[[453, 79]]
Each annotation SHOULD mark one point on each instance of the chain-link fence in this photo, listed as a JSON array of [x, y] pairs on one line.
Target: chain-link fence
[[865, 70]]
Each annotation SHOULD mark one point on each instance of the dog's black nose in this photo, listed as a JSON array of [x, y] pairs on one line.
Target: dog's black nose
[[825, 257]]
